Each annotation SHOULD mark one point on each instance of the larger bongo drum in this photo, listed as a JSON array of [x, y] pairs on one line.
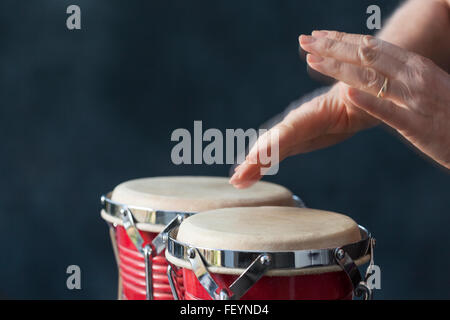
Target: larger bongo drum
[[268, 253], [141, 211]]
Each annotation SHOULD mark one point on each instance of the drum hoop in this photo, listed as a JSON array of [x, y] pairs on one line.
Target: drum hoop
[[292, 260], [153, 216], [141, 214]]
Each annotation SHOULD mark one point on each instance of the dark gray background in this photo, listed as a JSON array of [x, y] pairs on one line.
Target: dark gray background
[[82, 111]]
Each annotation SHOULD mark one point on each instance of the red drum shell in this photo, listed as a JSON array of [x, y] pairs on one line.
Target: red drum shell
[[269, 229], [132, 269], [325, 286]]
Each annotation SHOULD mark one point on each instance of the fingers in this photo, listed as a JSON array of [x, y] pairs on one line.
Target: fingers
[[246, 175], [366, 43], [277, 139], [339, 36], [363, 78], [270, 148], [369, 53], [375, 58], [302, 124]]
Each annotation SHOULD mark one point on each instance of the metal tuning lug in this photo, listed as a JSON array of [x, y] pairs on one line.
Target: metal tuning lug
[[372, 259], [148, 272], [250, 276], [172, 282], [347, 264], [363, 290], [159, 242], [202, 274], [138, 241], [132, 231]]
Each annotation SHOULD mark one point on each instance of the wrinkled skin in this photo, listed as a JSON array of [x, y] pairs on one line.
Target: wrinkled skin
[[416, 103]]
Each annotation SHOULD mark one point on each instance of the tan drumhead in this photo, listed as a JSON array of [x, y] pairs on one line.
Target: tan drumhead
[[192, 194], [195, 194], [268, 229]]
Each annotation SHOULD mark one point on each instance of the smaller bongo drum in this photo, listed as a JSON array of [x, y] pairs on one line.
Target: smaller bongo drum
[[268, 253], [141, 211]]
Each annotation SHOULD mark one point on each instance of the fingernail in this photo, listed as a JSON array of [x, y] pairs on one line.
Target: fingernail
[[306, 39], [314, 59], [319, 34]]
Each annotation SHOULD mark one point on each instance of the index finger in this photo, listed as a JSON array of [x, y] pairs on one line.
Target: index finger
[[358, 39], [369, 53]]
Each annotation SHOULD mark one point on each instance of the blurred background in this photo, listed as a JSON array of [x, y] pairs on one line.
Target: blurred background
[[82, 111]]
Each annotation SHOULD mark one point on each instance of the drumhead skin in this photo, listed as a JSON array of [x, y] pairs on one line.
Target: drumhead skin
[[268, 229], [195, 194]]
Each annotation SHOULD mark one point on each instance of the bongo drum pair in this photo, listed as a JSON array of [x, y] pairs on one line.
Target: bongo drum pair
[[140, 212], [223, 243]]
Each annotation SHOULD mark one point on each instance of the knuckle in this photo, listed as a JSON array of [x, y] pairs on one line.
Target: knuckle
[[417, 74], [319, 104], [337, 35], [405, 94], [329, 44], [371, 79], [336, 66], [420, 60], [318, 100], [285, 128], [368, 50]]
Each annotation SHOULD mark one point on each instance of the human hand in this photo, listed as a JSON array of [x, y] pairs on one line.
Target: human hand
[[416, 102], [321, 122]]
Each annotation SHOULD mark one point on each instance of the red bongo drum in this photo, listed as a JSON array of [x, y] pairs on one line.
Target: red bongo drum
[[268, 253], [141, 211]]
